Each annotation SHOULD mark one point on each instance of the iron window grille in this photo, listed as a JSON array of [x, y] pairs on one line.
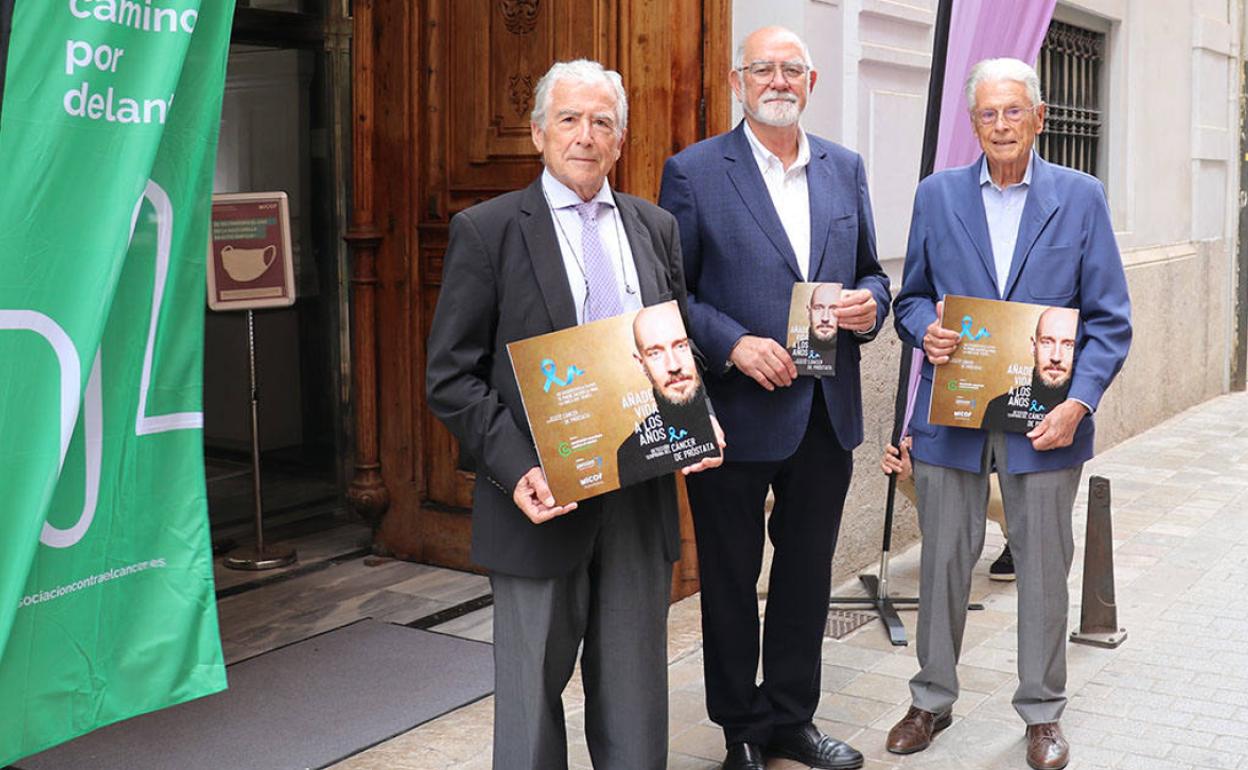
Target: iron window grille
[[1070, 81]]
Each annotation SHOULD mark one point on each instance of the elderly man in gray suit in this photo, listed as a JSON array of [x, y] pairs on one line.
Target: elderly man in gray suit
[[565, 250]]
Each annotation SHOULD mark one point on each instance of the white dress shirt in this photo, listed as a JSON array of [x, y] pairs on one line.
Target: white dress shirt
[[789, 193], [563, 202], [1004, 209]]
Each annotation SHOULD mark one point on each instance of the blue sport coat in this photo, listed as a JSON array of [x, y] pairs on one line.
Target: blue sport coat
[[1065, 256], [740, 269]]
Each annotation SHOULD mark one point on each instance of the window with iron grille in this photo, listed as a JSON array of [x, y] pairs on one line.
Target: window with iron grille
[[1070, 81]]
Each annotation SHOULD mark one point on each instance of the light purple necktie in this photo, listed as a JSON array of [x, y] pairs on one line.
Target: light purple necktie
[[602, 293]]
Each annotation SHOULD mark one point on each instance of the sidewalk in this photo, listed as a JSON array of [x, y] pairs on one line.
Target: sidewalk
[[1173, 696]]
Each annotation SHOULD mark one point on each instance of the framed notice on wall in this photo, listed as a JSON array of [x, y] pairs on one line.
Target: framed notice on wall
[[250, 265]]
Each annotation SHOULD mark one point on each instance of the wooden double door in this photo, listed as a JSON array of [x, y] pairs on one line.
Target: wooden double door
[[443, 92]]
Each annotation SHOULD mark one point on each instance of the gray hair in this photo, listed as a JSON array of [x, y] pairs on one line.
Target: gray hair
[[738, 59], [992, 70], [580, 71]]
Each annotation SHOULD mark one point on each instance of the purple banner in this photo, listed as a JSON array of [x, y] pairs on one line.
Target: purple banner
[[978, 29], [983, 29]]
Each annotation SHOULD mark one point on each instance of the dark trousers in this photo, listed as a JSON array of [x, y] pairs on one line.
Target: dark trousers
[[727, 503], [614, 608]]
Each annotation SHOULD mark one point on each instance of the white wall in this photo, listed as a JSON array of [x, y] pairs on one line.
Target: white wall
[[873, 58]]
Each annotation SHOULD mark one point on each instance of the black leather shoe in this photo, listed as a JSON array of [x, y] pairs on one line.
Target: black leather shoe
[[805, 744], [744, 756], [1003, 567]]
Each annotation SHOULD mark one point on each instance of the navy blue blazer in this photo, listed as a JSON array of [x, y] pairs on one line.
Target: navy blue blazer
[[740, 269], [1065, 255]]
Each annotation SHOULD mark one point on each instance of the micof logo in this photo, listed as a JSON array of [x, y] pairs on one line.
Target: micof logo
[[552, 374]]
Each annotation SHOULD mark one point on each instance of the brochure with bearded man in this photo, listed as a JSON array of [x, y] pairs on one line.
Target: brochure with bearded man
[[1013, 364], [811, 340], [614, 402]]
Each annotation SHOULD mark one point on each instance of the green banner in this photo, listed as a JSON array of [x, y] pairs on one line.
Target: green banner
[[108, 134]]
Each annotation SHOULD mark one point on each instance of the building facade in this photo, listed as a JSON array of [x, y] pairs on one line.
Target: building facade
[[407, 111], [1163, 104]]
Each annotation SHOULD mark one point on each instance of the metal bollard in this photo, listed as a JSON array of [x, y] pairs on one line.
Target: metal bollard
[[1098, 617]]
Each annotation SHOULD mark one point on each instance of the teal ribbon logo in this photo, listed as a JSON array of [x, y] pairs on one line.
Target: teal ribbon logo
[[552, 376], [966, 330], [672, 435]]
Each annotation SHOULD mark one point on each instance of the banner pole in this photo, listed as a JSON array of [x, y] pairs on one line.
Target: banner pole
[[257, 500], [257, 558], [877, 586]]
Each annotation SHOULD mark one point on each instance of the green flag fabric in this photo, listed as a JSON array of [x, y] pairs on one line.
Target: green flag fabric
[[108, 132]]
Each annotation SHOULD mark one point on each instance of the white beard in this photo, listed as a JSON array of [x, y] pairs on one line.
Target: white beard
[[775, 112]]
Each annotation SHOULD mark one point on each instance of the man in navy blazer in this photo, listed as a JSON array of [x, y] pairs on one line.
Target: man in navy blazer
[[761, 208], [1009, 226]]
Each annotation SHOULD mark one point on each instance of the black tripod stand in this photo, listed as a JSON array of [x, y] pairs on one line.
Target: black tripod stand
[[877, 587]]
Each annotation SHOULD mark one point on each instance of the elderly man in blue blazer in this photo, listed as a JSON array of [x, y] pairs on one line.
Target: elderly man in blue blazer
[[759, 209], [1009, 226]]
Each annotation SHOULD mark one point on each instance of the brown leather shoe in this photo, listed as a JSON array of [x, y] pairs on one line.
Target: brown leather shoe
[[915, 730], [1047, 749]]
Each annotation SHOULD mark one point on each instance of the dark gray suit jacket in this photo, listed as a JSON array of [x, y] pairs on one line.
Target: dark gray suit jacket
[[504, 280]]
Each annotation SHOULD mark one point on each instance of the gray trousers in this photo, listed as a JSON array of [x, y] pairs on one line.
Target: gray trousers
[[616, 605], [1038, 507]]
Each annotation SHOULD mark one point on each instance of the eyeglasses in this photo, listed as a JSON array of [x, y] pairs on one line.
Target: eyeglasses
[[1011, 115], [765, 71]]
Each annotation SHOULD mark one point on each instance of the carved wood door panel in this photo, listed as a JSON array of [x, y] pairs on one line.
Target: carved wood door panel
[[497, 50], [485, 58]]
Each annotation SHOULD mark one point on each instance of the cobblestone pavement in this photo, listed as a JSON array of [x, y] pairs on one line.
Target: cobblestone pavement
[[1173, 696]]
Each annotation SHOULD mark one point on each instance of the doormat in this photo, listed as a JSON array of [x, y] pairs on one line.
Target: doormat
[[308, 705], [842, 622]]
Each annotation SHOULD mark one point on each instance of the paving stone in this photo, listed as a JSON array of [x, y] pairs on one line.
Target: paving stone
[[677, 761], [1231, 744], [833, 678], [1138, 762], [1205, 708], [1206, 757], [851, 710], [704, 741], [889, 689], [1149, 748], [842, 653]]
